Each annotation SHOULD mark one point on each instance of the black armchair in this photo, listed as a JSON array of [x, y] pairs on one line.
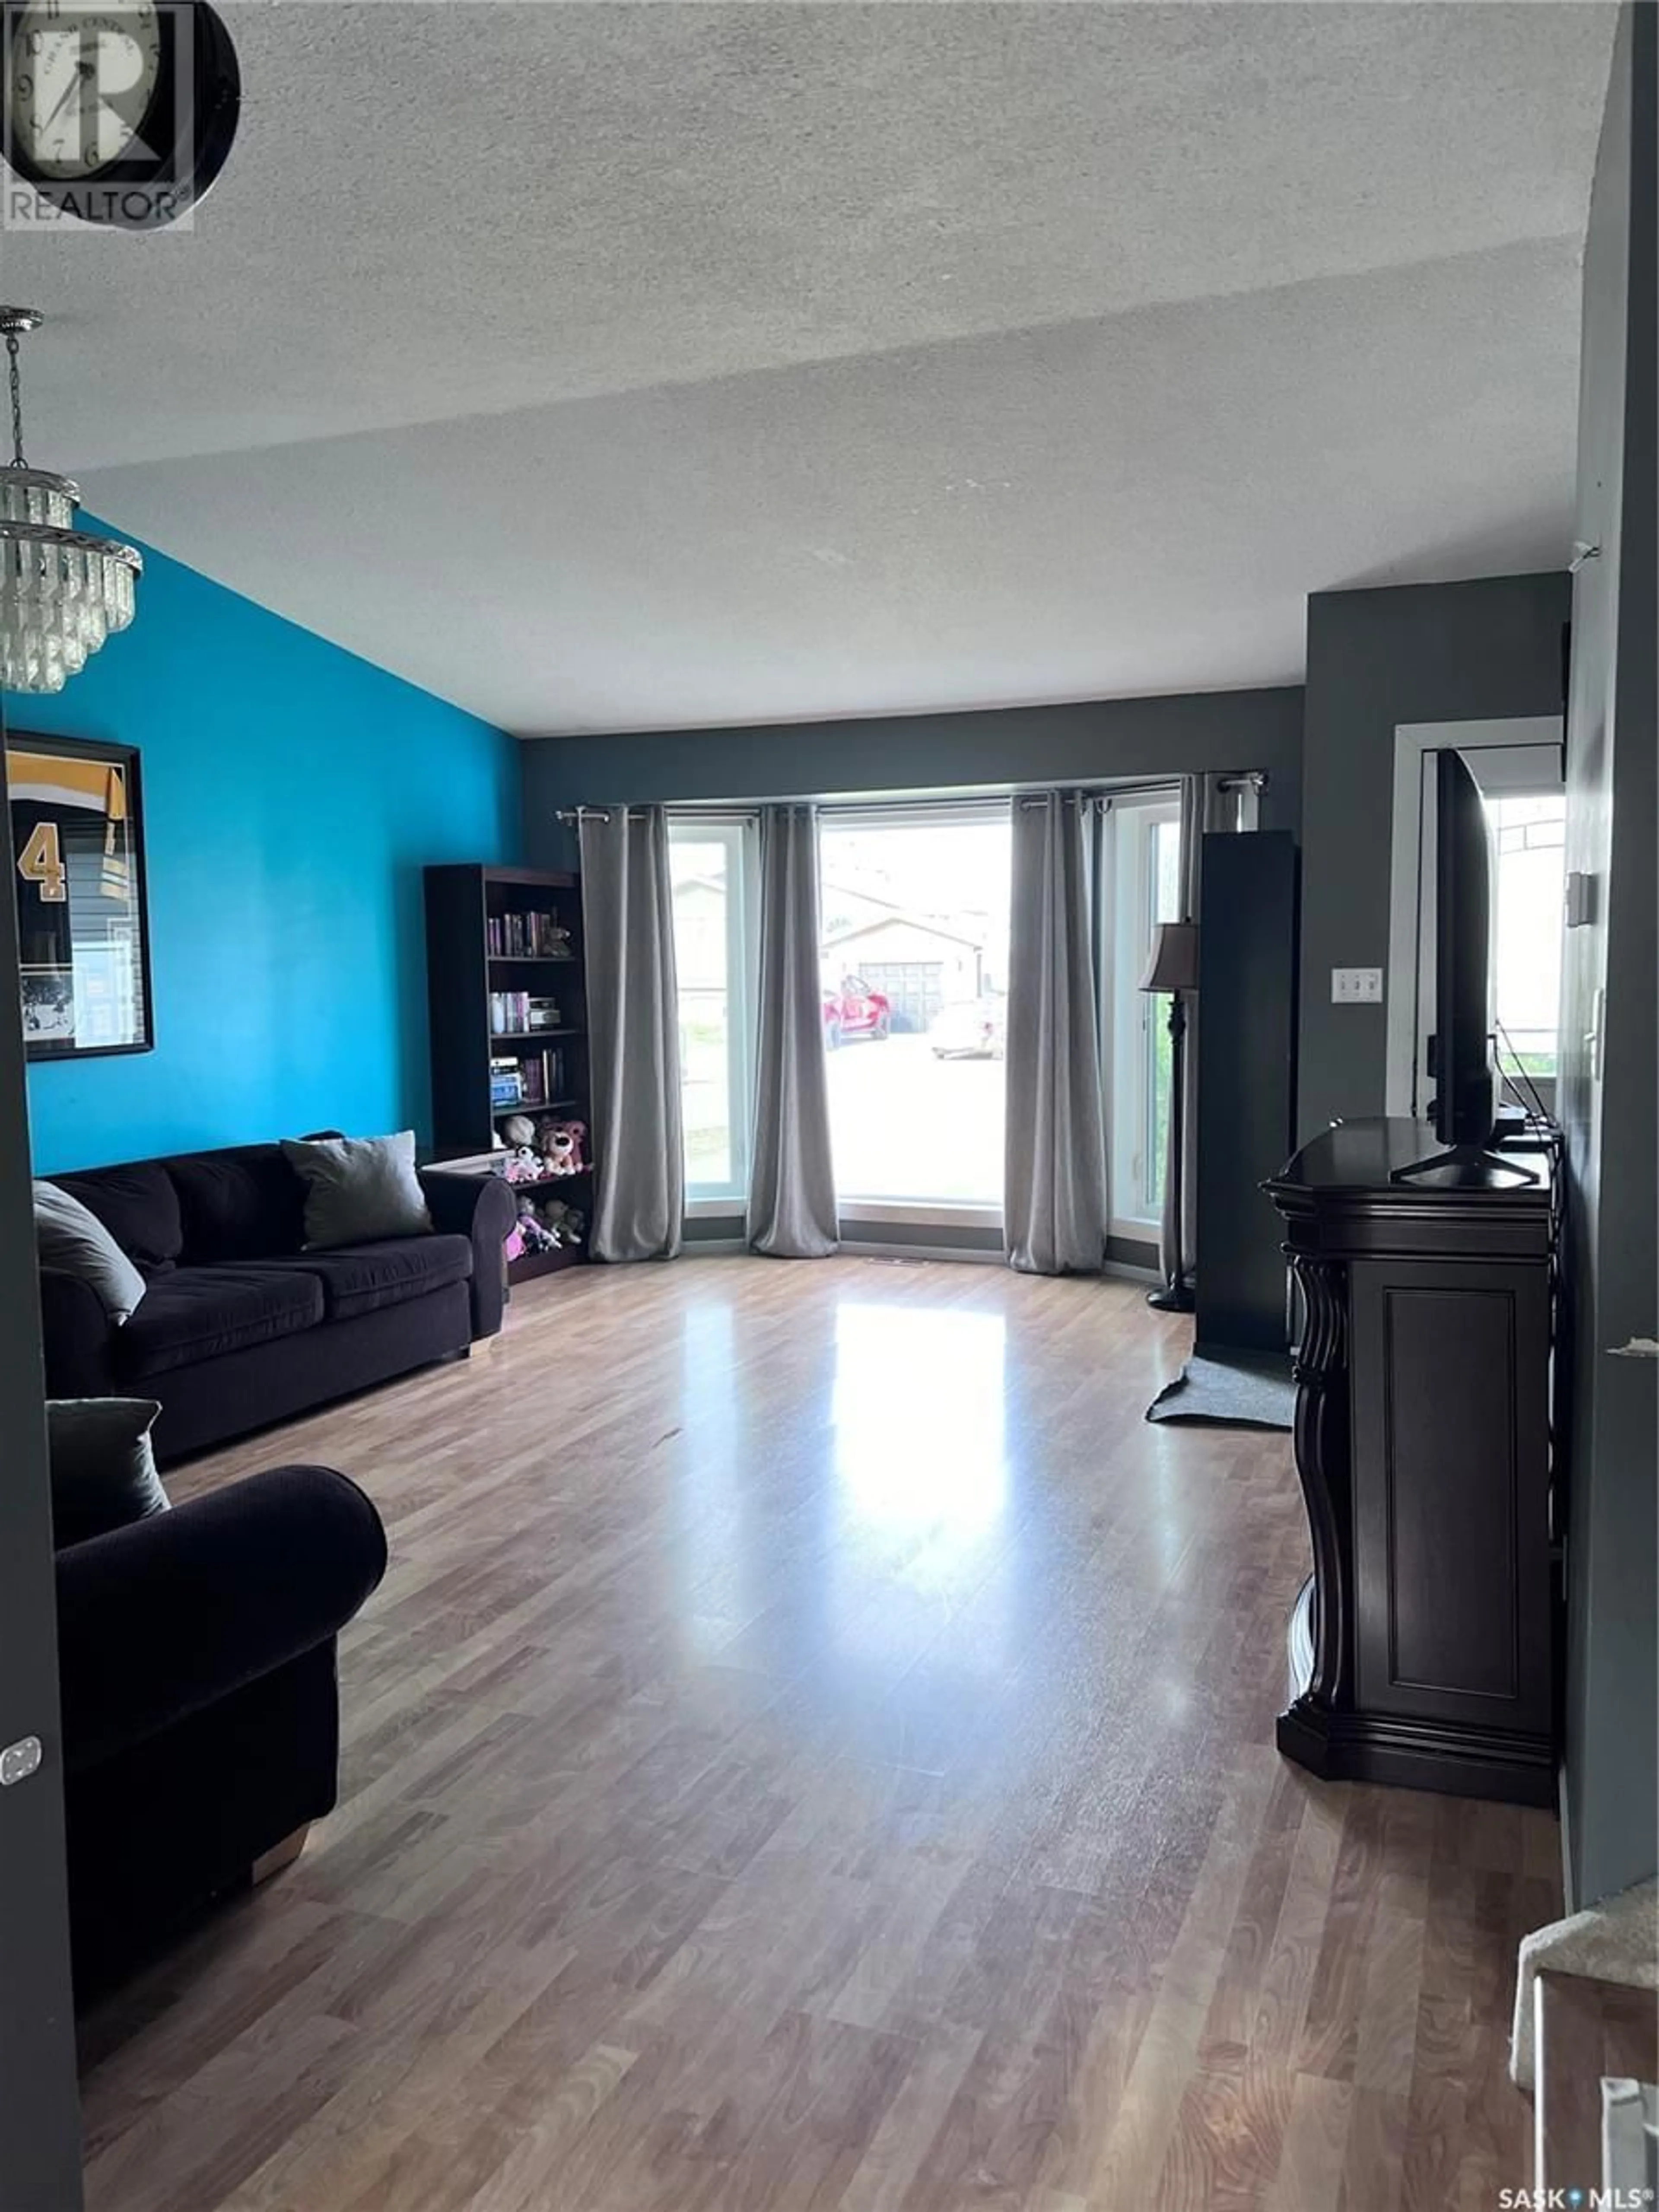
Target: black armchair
[[200, 1709]]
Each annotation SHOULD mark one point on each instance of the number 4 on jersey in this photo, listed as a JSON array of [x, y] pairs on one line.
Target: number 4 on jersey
[[42, 861]]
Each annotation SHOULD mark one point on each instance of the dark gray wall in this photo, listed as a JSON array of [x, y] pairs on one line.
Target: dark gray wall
[[1413, 652], [921, 752], [40, 2114], [1612, 815]]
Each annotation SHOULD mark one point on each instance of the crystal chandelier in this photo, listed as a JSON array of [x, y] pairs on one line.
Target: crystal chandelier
[[61, 590]]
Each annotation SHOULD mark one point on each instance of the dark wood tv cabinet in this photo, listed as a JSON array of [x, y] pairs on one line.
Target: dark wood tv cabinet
[[1421, 1647]]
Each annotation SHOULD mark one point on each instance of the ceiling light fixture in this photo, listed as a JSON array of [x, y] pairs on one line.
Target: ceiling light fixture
[[61, 590]]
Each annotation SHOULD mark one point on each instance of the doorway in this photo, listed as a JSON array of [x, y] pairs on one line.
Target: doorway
[[1518, 767]]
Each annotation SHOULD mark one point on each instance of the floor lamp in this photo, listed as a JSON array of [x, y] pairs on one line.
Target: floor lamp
[[1173, 967]]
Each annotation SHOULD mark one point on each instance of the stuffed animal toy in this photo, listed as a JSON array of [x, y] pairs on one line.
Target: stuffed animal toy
[[536, 1234], [562, 1143], [519, 1131], [567, 1222], [561, 1147], [524, 1166]]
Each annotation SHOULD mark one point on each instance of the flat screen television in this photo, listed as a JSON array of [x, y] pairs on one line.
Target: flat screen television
[[1461, 1062]]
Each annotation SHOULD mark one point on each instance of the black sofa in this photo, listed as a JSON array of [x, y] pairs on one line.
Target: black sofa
[[196, 1656], [238, 1326]]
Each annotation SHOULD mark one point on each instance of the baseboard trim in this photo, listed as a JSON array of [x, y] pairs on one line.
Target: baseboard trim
[[976, 1256], [715, 1247]]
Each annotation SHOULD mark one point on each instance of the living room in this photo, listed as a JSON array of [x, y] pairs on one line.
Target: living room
[[834, 843]]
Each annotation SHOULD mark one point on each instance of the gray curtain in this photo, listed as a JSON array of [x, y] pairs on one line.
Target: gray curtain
[[792, 1185], [1055, 1202], [632, 1035], [1208, 803]]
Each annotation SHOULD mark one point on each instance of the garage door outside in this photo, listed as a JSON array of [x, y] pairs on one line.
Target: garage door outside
[[914, 988]]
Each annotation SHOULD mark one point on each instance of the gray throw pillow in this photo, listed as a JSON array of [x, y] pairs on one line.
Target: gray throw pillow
[[358, 1188], [103, 1467], [75, 1242]]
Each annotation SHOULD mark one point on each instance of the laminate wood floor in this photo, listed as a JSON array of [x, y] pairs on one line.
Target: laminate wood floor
[[813, 1748]]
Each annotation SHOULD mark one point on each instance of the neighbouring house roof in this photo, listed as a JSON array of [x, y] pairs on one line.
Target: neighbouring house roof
[[839, 937]]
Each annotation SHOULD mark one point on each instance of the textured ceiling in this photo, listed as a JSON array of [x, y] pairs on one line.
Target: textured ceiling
[[615, 367]]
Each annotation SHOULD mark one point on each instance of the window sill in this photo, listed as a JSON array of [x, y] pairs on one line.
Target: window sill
[[934, 1214], [929, 1213]]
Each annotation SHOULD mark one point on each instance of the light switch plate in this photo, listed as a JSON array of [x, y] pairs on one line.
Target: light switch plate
[[1356, 986], [18, 1760]]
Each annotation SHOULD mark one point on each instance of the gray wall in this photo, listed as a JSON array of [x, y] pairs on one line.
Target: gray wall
[[40, 2112], [1413, 652], [1612, 740], [921, 752]]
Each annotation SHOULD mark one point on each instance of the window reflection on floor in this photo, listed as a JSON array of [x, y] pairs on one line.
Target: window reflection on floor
[[921, 1487], [720, 1583], [918, 1411]]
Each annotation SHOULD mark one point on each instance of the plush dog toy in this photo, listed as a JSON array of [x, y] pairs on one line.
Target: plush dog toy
[[561, 1147]]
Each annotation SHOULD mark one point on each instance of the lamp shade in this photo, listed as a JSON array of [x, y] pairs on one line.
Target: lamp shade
[[1173, 965]]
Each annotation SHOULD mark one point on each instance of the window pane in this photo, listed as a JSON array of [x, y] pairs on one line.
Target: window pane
[[913, 962], [1166, 870], [1166, 907], [1162, 1054], [698, 873], [1145, 890], [1528, 883]]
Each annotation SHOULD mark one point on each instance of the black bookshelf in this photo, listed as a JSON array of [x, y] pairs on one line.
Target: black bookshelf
[[478, 994]]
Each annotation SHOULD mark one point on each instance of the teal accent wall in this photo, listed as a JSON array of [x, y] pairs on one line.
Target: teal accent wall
[[292, 794]]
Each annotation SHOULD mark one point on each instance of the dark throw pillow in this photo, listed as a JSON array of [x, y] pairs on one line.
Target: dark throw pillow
[[103, 1469], [359, 1188], [75, 1242]]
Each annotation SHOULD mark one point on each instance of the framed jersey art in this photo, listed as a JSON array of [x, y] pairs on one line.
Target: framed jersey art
[[78, 854]]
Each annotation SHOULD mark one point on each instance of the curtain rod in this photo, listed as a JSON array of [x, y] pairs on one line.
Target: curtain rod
[[1255, 780], [574, 816], [1027, 800], [1098, 794]]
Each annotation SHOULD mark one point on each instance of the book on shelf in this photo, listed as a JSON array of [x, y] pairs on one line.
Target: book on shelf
[[514, 1014], [534, 1079], [534, 936]]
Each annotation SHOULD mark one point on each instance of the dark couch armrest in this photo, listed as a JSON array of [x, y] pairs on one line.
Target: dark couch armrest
[[482, 1207], [78, 1336], [168, 1615]]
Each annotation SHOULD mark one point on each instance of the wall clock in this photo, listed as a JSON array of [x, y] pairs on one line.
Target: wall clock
[[119, 111]]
